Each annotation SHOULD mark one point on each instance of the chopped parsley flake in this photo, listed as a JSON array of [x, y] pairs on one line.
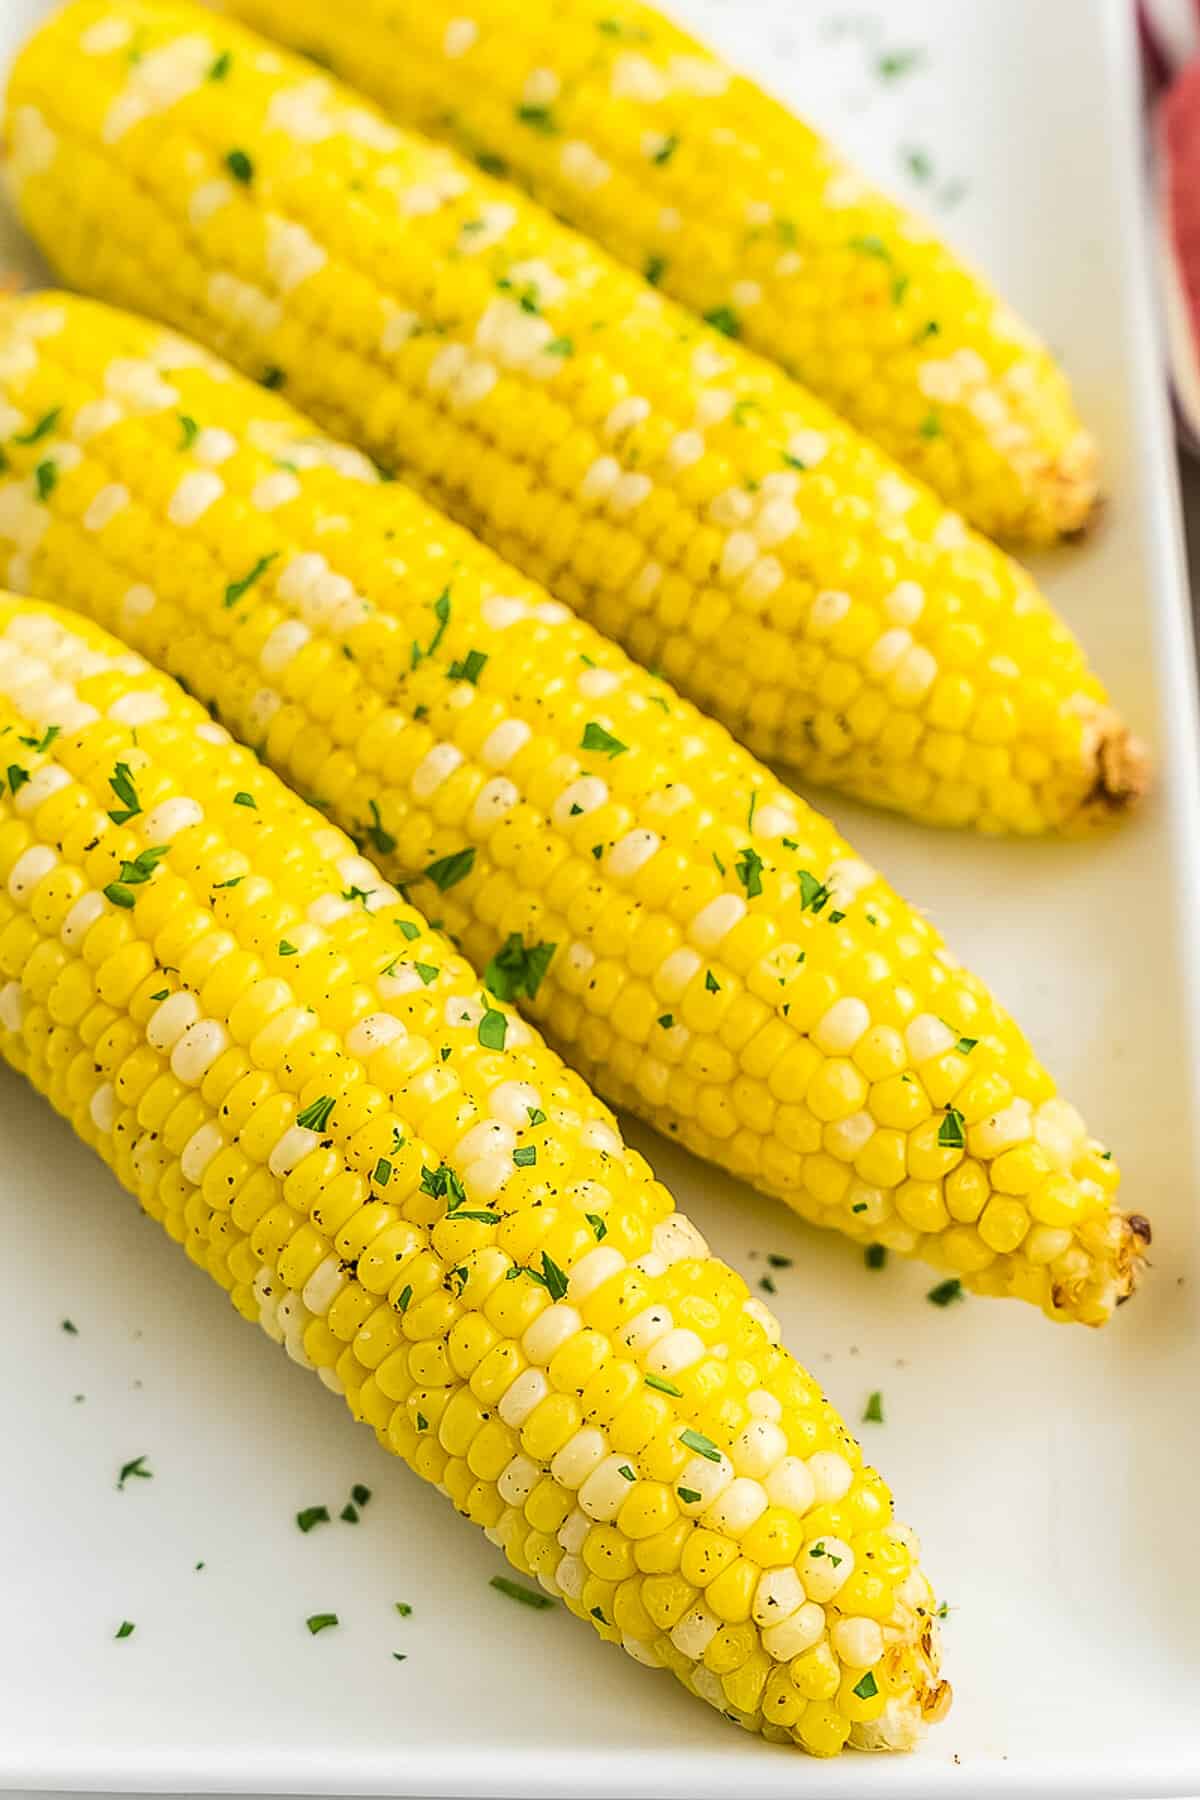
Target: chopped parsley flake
[[748, 868], [426, 971], [69, 1326], [875, 1256], [448, 871], [40, 744], [946, 1292], [868, 1687], [493, 1030], [318, 1622], [349, 1513], [286, 949], [516, 1591], [930, 426], [443, 1184], [703, 1446], [711, 983], [404, 1609], [236, 589], [536, 1115], [43, 428], [874, 1409], [596, 738], [125, 1629], [814, 894], [951, 1134], [441, 612], [655, 269], [121, 783], [360, 1494], [189, 431], [689, 1496], [666, 1020], [240, 167], [599, 1228], [551, 1277], [221, 66], [403, 1298], [525, 1156], [965, 1045], [309, 1516], [382, 1172], [540, 118], [245, 799], [666, 150], [134, 1470], [893, 64], [470, 668], [725, 320], [45, 478], [517, 970], [626, 1472], [315, 1116]]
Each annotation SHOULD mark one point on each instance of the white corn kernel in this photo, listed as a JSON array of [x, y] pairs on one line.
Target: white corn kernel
[[199, 1151], [578, 1457], [197, 1050], [603, 1493], [756, 1450], [858, 1642], [572, 1533], [790, 1485], [592, 1271], [168, 1022], [825, 1567], [837, 1032], [518, 1480], [550, 1331], [30, 868], [832, 1476], [521, 1396], [695, 1631], [796, 1634], [778, 1595]]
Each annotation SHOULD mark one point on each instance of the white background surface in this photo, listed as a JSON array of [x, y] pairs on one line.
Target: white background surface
[[1051, 1473]]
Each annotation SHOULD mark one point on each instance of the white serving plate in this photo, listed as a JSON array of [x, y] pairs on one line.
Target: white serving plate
[[1052, 1473]]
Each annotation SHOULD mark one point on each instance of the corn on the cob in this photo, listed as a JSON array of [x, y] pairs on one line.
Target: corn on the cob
[[392, 1174], [684, 496], [635, 133], [704, 946]]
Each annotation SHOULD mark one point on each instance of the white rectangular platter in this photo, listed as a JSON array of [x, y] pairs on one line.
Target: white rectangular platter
[[1053, 1474]]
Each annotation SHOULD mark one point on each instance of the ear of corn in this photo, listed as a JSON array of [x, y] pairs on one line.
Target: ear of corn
[[678, 492], [700, 942], [404, 1186], [632, 131]]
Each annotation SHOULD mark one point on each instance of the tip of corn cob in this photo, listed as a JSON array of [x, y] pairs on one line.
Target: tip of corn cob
[[1074, 500], [1122, 766]]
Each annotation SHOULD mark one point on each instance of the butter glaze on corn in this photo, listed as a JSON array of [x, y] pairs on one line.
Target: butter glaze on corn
[[184, 978], [681, 494], [633, 132], [719, 960]]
